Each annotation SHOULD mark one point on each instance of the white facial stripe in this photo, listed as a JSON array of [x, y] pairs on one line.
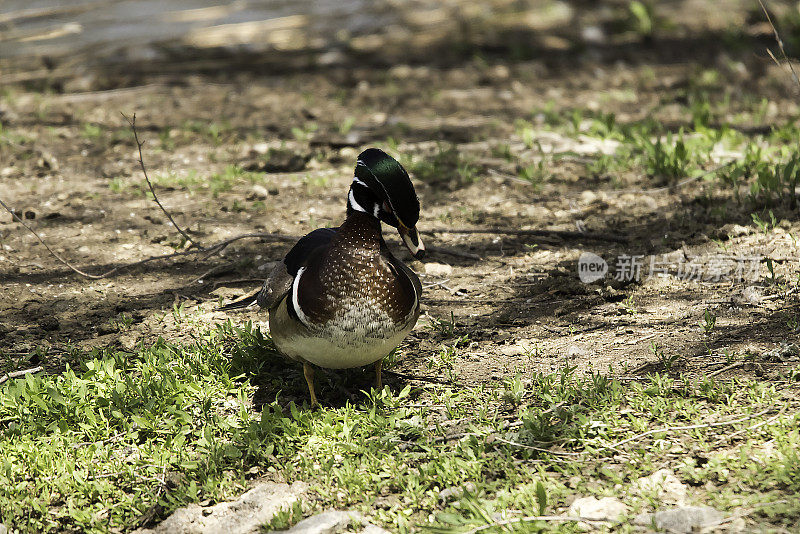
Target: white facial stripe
[[295, 301], [359, 182], [351, 199], [411, 246]]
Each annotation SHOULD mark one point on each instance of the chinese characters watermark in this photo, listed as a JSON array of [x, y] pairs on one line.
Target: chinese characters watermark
[[630, 268]]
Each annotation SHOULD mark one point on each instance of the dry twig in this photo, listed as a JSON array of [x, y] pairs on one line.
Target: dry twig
[[132, 122], [687, 427], [564, 234], [780, 44], [734, 365], [537, 449], [23, 372]]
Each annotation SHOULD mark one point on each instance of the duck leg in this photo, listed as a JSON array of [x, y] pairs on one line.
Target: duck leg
[[378, 383], [308, 372]]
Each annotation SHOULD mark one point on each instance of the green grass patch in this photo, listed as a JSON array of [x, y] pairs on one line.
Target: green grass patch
[[447, 166], [120, 436], [192, 181]]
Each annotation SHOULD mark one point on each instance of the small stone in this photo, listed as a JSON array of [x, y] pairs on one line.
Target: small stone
[[455, 492], [260, 148], [512, 350], [451, 493], [683, 520], [577, 351], [242, 516], [259, 191], [752, 295], [665, 485], [500, 72], [438, 269], [588, 196], [326, 523], [593, 35], [609, 508], [3, 529], [733, 230]]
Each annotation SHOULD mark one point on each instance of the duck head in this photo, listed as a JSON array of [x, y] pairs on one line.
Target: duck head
[[382, 188]]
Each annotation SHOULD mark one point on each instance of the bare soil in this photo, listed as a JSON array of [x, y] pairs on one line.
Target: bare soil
[[69, 167]]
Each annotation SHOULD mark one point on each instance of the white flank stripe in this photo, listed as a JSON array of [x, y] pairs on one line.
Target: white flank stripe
[[295, 301]]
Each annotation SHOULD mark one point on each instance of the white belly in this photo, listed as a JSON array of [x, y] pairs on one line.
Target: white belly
[[325, 353], [346, 343]]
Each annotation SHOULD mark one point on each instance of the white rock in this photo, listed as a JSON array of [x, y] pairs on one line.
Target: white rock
[[593, 35], [682, 520], [245, 515], [752, 295], [438, 269], [332, 522], [259, 191], [609, 508], [665, 485], [455, 492], [577, 351], [260, 148], [512, 350], [734, 230]]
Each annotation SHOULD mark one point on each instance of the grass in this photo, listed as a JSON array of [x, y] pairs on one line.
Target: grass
[[214, 184], [122, 436], [446, 167]]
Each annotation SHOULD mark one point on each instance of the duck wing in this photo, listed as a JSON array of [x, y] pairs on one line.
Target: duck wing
[[280, 279]]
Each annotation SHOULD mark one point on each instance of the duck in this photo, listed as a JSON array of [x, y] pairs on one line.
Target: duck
[[340, 298]]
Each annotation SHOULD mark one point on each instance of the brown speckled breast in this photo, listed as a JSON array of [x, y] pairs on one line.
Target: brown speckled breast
[[358, 285]]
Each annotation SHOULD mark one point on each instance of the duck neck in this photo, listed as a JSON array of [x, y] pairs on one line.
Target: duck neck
[[361, 230]]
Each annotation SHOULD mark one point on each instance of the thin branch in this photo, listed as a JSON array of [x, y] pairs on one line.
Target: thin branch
[[212, 249], [531, 518], [565, 234], [17, 374], [687, 427], [780, 44], [537, 449], [453, 252], [50, 250], [734, 365], [691, 179], [132, 122]]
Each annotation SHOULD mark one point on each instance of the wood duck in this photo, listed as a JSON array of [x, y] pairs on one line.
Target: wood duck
[[339, 298]]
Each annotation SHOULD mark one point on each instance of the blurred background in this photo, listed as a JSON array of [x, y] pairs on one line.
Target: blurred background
[[617, 127], [72, 45]]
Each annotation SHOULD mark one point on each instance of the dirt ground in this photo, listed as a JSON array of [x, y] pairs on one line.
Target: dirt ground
[[241, 152]]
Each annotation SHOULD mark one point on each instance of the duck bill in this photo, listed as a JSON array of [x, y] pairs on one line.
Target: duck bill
[[412, 241]]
